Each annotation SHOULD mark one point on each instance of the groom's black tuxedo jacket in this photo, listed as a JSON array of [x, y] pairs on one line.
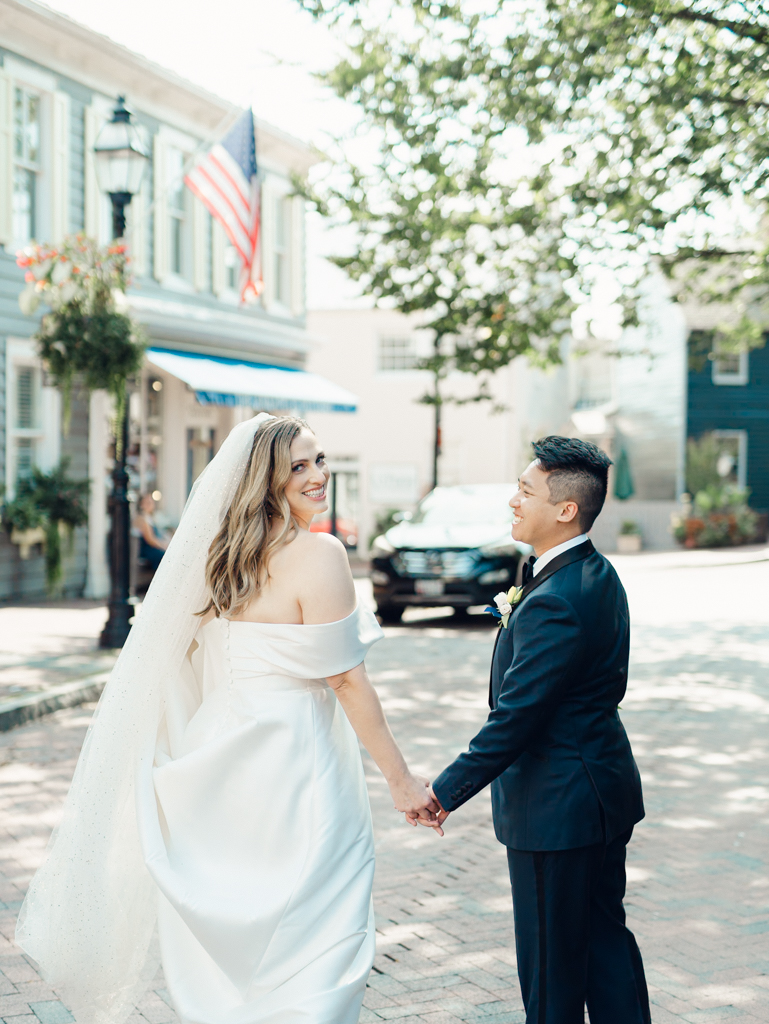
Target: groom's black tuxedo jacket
[[553, 747]]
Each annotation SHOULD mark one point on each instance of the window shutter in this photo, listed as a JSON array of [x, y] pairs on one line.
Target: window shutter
[[59, 167], [6, 159], [93, 199], [218, 269], [161, 208], [199, 260], [136, 229], [268, 242], [296, 256]]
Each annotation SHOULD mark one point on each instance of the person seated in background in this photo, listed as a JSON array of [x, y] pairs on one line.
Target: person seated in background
[[152, 543]]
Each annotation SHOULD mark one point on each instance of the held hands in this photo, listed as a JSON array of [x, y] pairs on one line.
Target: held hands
[[413, 796]]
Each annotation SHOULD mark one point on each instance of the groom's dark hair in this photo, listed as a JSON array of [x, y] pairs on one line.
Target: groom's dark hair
[[577, 471]]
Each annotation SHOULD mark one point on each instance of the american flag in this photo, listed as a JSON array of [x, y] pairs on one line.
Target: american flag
[[225, 180]]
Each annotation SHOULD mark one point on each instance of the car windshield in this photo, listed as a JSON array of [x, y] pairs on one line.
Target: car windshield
[[462, 507]]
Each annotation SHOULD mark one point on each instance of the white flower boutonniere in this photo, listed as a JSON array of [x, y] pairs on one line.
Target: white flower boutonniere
[[506, 602]]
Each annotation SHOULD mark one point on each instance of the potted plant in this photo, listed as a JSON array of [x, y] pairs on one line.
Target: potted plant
[[47, 508], [629, 541], [25, 522]]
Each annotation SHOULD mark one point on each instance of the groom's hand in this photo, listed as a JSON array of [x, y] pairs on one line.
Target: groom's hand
[[435, 816]]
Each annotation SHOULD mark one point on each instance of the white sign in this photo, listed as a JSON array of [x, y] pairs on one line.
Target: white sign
[[393, 483]]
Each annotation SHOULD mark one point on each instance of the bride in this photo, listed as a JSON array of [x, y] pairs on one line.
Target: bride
[[219, 801]]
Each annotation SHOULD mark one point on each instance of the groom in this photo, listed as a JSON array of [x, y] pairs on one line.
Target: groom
[[565, 789]]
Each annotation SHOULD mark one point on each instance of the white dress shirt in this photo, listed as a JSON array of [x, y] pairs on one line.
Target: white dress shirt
[[559, 549]]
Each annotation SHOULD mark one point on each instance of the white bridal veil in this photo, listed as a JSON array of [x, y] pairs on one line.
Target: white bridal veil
[[89, 916]]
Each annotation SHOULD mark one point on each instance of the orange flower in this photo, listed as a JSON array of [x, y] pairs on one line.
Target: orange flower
[[29, 277]]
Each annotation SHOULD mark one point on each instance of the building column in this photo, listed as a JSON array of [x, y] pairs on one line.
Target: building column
[[97, 579]]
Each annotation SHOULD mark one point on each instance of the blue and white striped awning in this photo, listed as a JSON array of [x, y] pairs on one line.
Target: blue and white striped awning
[[219, 381]]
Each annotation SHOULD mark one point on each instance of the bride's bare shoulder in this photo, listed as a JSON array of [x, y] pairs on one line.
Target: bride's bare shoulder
[[318, 552], [327, 590]]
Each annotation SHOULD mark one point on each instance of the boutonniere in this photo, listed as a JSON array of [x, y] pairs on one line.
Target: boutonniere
[[505, 604]]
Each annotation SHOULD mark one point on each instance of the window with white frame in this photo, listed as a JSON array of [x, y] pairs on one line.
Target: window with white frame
[[179, 249], [730, 367], [732, 463], [397, 353], [32, 415], [281, 250], [26, 165]]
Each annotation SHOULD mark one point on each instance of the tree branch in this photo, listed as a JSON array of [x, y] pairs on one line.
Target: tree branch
[[738, 28]]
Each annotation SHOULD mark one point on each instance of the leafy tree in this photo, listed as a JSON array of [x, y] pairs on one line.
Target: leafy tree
[[529, 147]]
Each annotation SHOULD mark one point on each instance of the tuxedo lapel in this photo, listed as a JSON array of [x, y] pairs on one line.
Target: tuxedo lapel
[[572, 555], [491, 669], [575, 554]]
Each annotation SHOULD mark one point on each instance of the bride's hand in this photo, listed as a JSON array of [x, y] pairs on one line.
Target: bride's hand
[[412, 796]]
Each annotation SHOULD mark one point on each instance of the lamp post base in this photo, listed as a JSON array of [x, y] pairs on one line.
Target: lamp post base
[[118, 626]]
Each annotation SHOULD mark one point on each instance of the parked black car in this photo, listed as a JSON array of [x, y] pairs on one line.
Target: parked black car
[[455, 550]]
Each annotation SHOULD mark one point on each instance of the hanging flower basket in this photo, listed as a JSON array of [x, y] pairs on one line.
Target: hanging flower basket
[[87, 332]]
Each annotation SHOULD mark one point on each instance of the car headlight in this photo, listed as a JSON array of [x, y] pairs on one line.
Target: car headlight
[[381, 547], [506, 547], [379, 578]]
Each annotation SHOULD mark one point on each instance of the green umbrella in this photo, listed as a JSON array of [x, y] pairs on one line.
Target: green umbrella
[[623, 479]]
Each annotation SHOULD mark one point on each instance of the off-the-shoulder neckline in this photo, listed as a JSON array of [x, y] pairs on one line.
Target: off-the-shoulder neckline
[[295, 625]]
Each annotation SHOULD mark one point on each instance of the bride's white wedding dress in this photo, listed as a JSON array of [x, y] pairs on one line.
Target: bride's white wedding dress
[[219, 797], [256, 827]]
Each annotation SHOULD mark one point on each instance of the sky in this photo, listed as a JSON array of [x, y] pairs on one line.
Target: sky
[[258, 53]]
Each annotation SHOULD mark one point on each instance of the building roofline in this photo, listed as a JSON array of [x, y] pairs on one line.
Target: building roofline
[[156, 90]]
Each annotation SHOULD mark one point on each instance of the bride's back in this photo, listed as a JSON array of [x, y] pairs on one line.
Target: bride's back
[[308, 580]]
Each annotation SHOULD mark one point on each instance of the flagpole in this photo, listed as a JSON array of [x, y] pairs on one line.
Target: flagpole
[[219, 132]]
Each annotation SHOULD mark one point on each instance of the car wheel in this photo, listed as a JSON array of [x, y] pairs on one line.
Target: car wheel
[[389, 613]]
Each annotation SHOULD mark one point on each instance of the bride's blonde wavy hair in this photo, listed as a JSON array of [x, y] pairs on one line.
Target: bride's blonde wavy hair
[[239, 554]]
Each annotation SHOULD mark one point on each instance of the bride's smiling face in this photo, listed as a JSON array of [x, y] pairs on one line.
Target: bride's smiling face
[[306, 490]]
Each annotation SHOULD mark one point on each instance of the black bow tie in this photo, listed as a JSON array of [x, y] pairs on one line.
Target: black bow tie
[[528, 569]]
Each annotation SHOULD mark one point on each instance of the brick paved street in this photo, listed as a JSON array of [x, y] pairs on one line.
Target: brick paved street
[[698, 896]]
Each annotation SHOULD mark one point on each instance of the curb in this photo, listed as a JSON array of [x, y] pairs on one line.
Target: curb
[[68, 695], [703, 558]]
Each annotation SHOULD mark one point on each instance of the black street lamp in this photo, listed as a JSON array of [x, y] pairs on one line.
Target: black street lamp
[[120, 162]]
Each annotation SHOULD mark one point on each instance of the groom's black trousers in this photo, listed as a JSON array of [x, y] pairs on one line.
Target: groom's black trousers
[[572, 944]]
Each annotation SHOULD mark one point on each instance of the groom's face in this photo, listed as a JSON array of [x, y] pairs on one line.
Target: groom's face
[[537, 520]]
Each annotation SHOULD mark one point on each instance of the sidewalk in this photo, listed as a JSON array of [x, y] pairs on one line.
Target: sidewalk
[[698, 558], [49, 657]]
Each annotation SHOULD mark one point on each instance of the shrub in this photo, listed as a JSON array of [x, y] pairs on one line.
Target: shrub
[[720, 517]]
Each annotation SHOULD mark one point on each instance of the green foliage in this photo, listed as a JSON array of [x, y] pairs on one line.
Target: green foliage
[[526, 143], [630, 528], [56, 502], [702, 464], [22, 514], [385, 520], [720, 517], [99, 347]]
